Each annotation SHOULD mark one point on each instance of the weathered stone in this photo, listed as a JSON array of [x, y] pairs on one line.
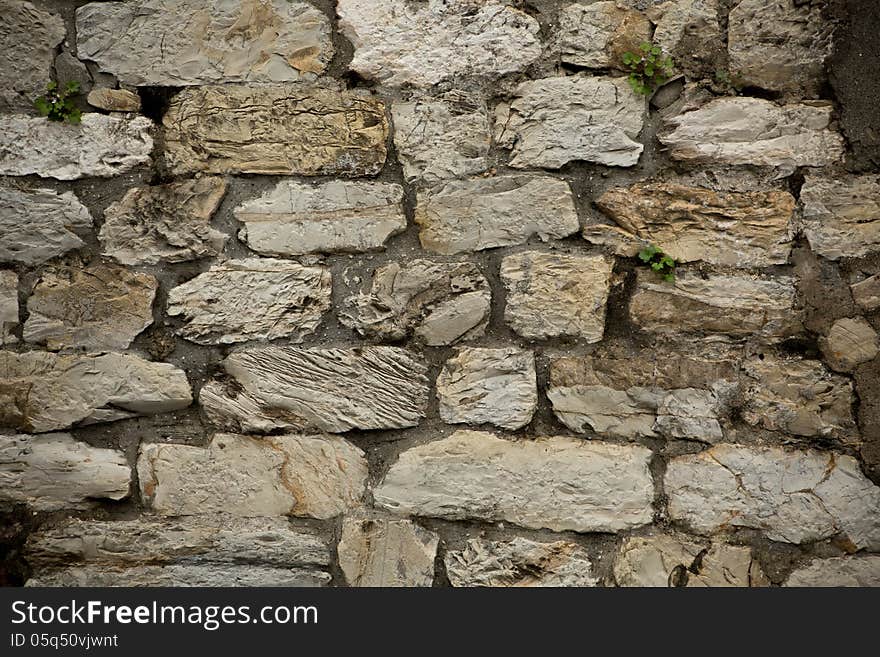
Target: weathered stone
[[792, 496], [164, 223], [838, 571], [519, 562], [378, 552], [741, 130], [101, 307], [556, 294], [689, 31], [114, 100], [101, 145], [597, 35], [179, 574], [841, 216], [42, 391], [556, 120], [779, 45], [54, 471], [204, 42], [331, 390], [300, 128], [493, 386], [399, 43], [8, 306], [850, 342], [800, 397], [290, 475], [556, 483], [439, 302], [252, 299], [440, 138], [484, 213], [866, 293], [737, 305], [735, 229], [28, 38], [39, 224], [295, 218], [69, 69]]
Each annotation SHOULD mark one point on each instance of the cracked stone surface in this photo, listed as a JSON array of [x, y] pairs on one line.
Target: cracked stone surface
[[838, 571], [8, 306], [598, 34], [850, 342], [841, 215], [114, 100]]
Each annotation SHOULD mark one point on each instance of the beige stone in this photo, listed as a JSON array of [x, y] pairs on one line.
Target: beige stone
[[841, 215], [850, 342], [597, 35], [180, 575], [114, 100], [8, 306], [838, 571], [866, 293], [377, 552]]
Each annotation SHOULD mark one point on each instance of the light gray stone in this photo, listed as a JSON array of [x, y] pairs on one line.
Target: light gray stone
[[866, 293], [378, 552], [114, 100], [8, 306], [689, 31], [295, 218], [841, 215], [597, 35], [838, 571], [179, 575], [850, 342], [556, 483]]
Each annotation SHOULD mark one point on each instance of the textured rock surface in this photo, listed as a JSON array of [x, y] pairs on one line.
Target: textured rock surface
[[100, 146], [378, 552], [735, 229], [295, 218], [519, 562], [54, 471], [399, 43], [8, 306], [180, 574], [440, 138], [303, 129], [28, 38], [737, 131], [252, 299], [484, 213], [311, 476], [841, 216], [556, 120], [792, 496], [164, 223], [556, 294], [556, 483], [597, 35], [488, 386], [43, 392], [96, 308], [838, 571], [735, 304], [332, 390], [114, 100], [866, 293], [204, 42], [441, 303], [39, 224], [689, 31], [850, 342]]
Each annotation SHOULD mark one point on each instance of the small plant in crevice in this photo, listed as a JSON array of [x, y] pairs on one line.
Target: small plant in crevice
[[659, 262], [57, 104], [649, 68]]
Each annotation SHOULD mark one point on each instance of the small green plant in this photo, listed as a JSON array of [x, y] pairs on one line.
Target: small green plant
[[649, 68], [659, 262], [57, 104]]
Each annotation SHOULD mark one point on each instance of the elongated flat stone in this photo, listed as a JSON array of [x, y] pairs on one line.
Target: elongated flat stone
[[179, 574], [555, 483], [841, 215], [838, 571], [380, 552], [8, 306]]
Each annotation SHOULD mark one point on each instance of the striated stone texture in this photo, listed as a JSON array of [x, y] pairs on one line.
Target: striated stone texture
[[484, 213], [519, 562], [792, 496], [597, 35], [444, 137], [28, 39], [401, 43], [114, 100], [850, 342], [54, 472], [179, 574], [99, 146], [736, 305], [311, 476], [556, 295], [377, 552], [488, 386], [39, 224], [866, 293], [8, 306], [439, 302], [739, 131], [298, 128], [295, 218], [555, 483], [45, 392], [841, 215], [252, 299], [735, 229], [164, 223], [557, 120], [838, 571], [204, 42], [333, 390], [101, 307]]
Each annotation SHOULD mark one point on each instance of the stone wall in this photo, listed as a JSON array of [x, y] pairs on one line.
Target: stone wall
[[345, 293]]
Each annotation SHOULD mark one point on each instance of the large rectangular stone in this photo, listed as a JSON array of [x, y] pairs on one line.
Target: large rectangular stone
[[841, 215]]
